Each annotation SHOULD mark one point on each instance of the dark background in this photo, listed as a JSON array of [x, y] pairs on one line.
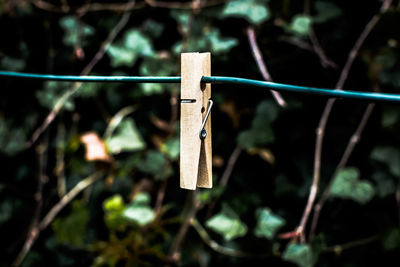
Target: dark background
[[34, 40]]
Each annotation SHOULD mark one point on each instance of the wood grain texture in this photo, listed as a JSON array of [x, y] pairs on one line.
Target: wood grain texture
[[195, 154]]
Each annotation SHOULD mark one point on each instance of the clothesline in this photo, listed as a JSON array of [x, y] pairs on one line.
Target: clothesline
[[213, 79]]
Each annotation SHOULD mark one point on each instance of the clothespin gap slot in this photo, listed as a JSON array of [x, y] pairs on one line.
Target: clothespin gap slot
[[188, 101]]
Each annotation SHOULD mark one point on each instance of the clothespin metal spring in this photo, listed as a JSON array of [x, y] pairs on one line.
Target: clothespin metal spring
[[203, 132]]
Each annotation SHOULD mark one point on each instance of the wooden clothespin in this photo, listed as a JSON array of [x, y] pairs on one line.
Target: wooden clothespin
[[195, 154]]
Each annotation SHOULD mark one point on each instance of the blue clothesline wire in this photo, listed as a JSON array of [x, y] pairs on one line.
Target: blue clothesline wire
[[214, 79]]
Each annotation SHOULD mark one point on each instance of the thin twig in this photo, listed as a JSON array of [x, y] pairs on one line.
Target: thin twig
[[398, 201], [160, 196], [67, 198], [261, 65], [221, 249], [34, 233], [226, 175], [325, 61], [180, 237], [34, 227], [67, 95], [119, 7], [60, 163], [361, 242], [354, 140], [325, 115]]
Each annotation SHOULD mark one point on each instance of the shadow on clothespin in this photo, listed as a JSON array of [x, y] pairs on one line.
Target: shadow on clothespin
[[196, 103]]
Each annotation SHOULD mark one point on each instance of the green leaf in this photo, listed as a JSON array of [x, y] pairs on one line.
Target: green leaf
[[391, 240], [385, 185], [326, 11], [88, 90], [113, 208], [154, 163], [153, 28], [125, 138], [137, 42], [227, 224], [12, 64], [114, 203], [121, 56], [171, 148], [152, 88], [52, 92], [71, 229], [390, 116], [220, 44], [300, 25], [348, 186], [126, 52], [267, 223], [75, 31], [261, 132], [299, 254], [157, 67], [8, 206], [389, 156], [205, 197], [139, 212], [251, 10]]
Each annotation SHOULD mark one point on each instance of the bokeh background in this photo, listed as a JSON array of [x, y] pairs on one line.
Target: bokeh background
[[90, 172]]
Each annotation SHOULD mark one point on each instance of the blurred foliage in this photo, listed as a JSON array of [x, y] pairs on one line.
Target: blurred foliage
[[130, 133]]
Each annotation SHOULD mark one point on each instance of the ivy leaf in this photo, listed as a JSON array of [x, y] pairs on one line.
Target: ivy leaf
[[125, 138], [220, 44], [267, 223], [139, 43], [138, 211], [113, 208], [300, 254], [171, 148], [348, 186], [251, 10], [391, 240], [51, 94], [300, 25], [114, 203], [121, 56], [227, 224], [389, 156], [154, 163], [75, 30], [12, 64], [72, 228], [385, 185], [326, 11], [153, 28], [133, 46], [261, 132]]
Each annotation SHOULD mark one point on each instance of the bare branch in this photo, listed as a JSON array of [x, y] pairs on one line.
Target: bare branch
[[34, 227], [226, 175], [35, 231], [67, 198], [355, 138], [221, 249], [325, 115], [68, 94], [180, 237], [261, 65], [361, 242]]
